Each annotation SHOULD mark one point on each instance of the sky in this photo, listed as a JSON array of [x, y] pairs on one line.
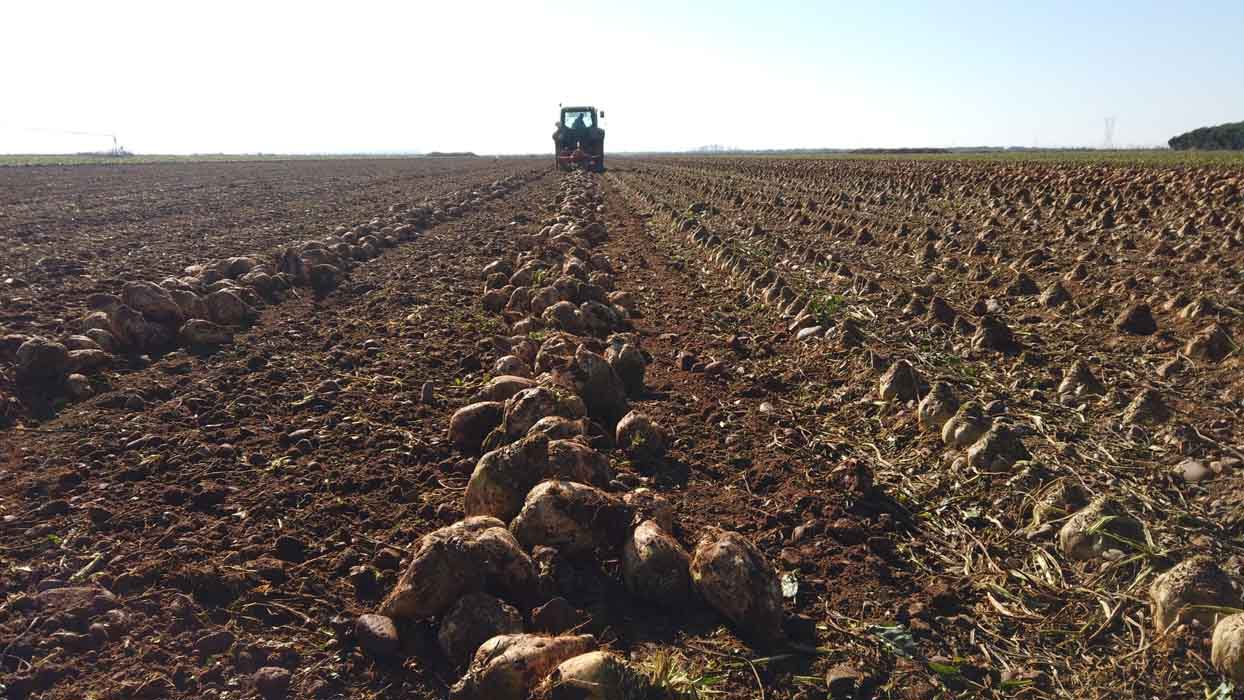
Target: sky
[[412, 76]]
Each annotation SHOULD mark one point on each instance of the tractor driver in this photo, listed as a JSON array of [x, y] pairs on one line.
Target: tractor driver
[[579, 124]]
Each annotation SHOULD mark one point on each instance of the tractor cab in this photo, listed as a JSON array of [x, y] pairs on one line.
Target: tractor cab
[[579, 142]]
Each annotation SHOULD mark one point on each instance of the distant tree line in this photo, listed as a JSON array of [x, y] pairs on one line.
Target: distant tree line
[[1224, 137]]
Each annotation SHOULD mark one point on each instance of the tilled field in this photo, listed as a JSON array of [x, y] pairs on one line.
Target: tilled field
[[72, 231], [756, 427]]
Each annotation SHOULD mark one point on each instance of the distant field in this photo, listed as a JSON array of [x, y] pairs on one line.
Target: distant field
[[78, 159], [1156, 157]]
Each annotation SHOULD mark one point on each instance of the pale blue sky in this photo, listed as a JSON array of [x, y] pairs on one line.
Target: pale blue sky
[[362, 76]]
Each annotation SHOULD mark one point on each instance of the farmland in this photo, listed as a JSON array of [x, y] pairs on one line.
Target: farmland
[[109, 159], [762, 427]]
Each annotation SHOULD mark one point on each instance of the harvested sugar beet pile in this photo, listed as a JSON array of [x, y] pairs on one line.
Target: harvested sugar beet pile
[[542, 488]]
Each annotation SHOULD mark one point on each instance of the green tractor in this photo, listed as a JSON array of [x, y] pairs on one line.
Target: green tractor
[[579, 142]]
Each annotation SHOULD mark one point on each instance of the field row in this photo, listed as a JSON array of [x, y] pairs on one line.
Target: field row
[[1040, 366], [70, 232]]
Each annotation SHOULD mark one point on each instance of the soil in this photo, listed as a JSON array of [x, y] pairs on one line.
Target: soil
[[73, 230], [245, 506]]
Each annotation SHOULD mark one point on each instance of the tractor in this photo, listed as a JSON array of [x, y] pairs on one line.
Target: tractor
[[579, 142]]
